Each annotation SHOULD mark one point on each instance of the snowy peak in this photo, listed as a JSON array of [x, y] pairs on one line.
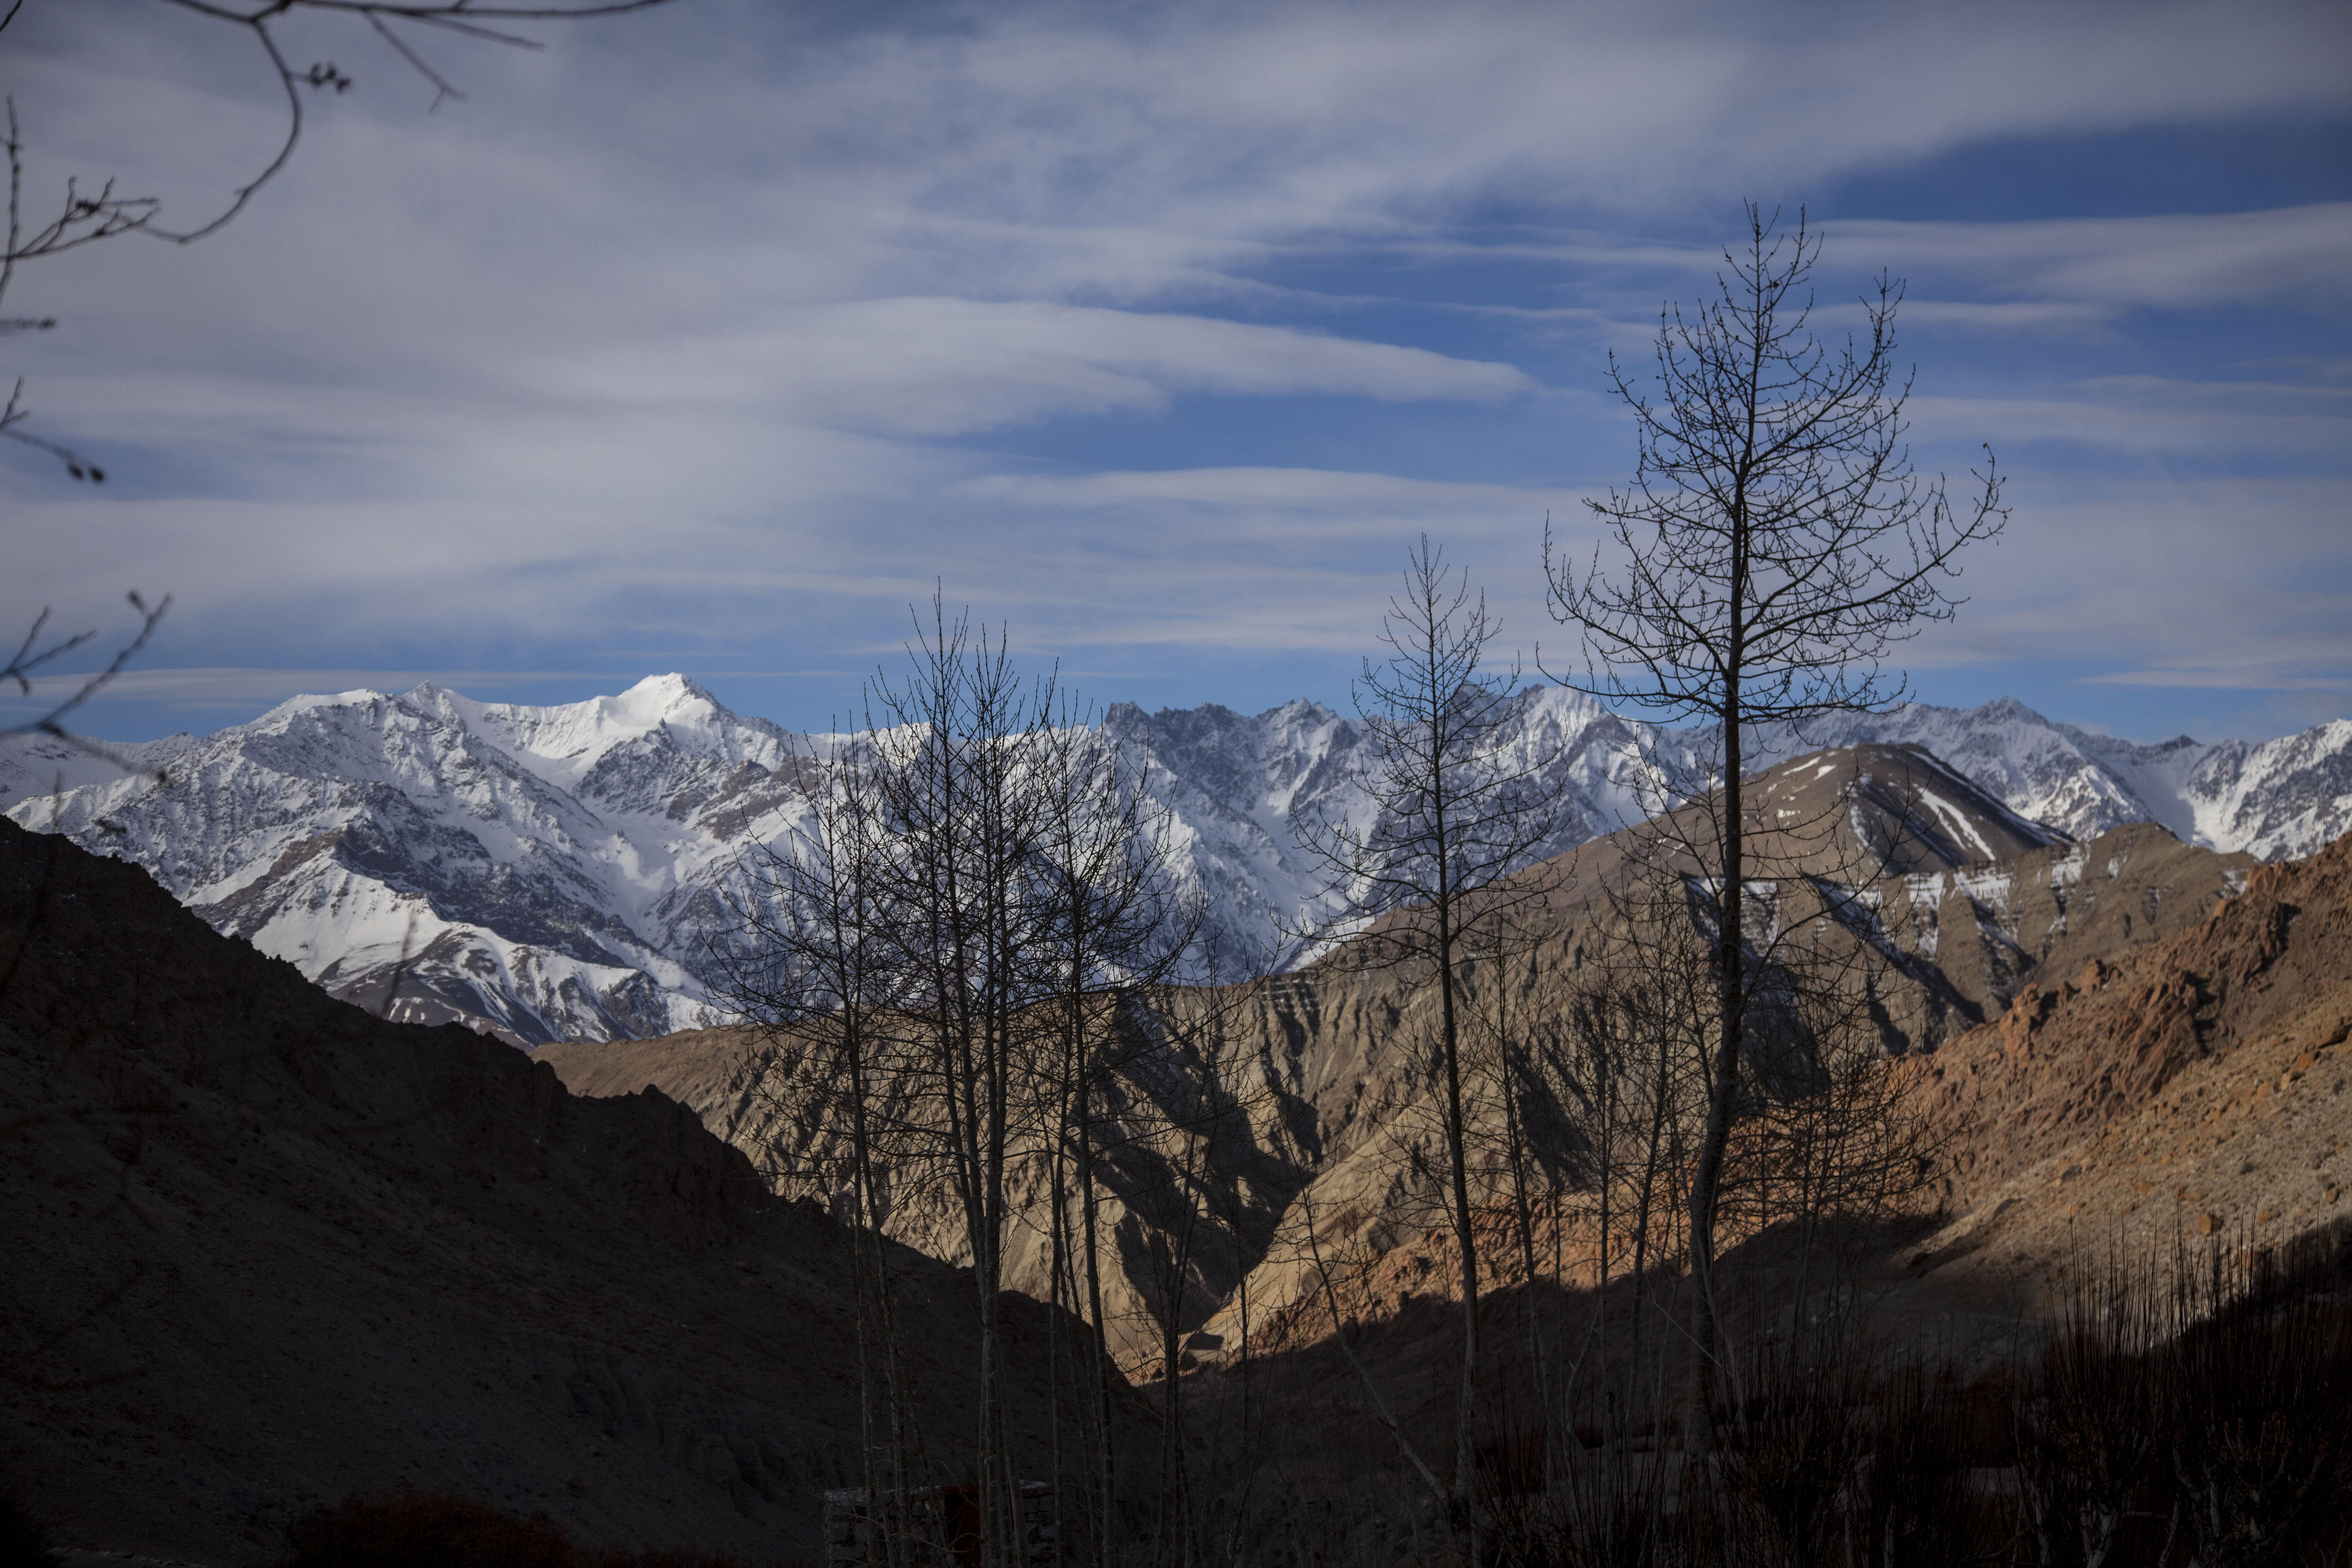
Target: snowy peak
[[40, 766], [565, 743], [531, 869], [1903, 809]]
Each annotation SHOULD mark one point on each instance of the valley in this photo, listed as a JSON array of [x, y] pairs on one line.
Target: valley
[[312, 1224]]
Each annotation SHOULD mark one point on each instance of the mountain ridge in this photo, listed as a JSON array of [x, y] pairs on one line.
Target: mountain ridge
[[554, 872], [1330, 1119]]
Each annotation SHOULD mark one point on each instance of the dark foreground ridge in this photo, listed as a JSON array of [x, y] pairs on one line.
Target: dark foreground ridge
[[264, 1251]]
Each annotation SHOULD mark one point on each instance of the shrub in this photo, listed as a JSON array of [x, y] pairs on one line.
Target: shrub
[[2260, 1449], [2092, 1418]]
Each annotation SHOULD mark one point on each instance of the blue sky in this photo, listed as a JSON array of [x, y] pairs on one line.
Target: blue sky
[[706, 340]]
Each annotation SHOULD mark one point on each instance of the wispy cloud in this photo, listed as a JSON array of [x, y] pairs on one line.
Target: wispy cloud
[[2115, 263], [2137, 423], [1320, 490], [213, 689], [2222, 679]]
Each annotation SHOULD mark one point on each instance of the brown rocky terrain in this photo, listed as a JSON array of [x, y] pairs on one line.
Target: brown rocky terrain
[[1964, 907], [267, 1249], [2198, 1087], [2193, 1093], [264, 1250]]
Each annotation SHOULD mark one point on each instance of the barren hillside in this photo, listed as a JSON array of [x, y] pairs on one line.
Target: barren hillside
[[2196, 1086], [1964, 905], [264, 1250]]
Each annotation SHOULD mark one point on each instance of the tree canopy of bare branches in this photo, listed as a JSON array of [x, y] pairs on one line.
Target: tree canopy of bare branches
[[955, 954], [1775, 544], [84, 215], [1451, 812]]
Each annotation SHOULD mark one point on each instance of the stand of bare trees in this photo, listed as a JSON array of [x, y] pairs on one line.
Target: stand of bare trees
[[961, 958], [1680, 1047], [977, 975]]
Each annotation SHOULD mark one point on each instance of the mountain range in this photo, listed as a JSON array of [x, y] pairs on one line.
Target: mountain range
[[556, 872]]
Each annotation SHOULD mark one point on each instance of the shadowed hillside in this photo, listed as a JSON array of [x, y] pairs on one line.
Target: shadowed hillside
[[265, 1250]]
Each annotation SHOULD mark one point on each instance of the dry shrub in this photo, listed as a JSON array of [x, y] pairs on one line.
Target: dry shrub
[[2261, 1447], [418, 1529], [1605, 1505], [2092, 1422], [2197, 1425], [2202, 1425], [1786, 1460], [1911, 1506]]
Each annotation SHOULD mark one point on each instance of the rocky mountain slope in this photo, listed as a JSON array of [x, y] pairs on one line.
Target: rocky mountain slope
[[1327, 1107], [556, 873], [264, 1250], [2198, 1087]]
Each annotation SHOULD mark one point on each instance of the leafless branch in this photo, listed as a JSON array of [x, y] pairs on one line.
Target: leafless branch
[[84, 218], [30, 656]]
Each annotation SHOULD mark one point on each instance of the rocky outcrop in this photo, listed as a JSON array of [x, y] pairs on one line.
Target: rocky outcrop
[[2198, 1081]]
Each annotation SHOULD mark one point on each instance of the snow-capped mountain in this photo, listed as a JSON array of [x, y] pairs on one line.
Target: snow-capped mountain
[[541, 870], [1246, 793], [42, 765], [556, 872], [2278, 800]]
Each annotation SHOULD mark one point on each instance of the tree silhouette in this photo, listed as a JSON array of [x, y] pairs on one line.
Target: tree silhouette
[[1774, 545]]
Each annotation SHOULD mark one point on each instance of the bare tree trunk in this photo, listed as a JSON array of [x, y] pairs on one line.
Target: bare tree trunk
[[1775, 544], [1723, 1077], [1466, 1443], [1105, 1455], [1450, 821]]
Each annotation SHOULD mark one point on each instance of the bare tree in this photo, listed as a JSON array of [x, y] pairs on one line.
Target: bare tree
[[1773, 547], [1115, 931], [805, 960], [1451, 811], [959, 797], [969, 961]]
